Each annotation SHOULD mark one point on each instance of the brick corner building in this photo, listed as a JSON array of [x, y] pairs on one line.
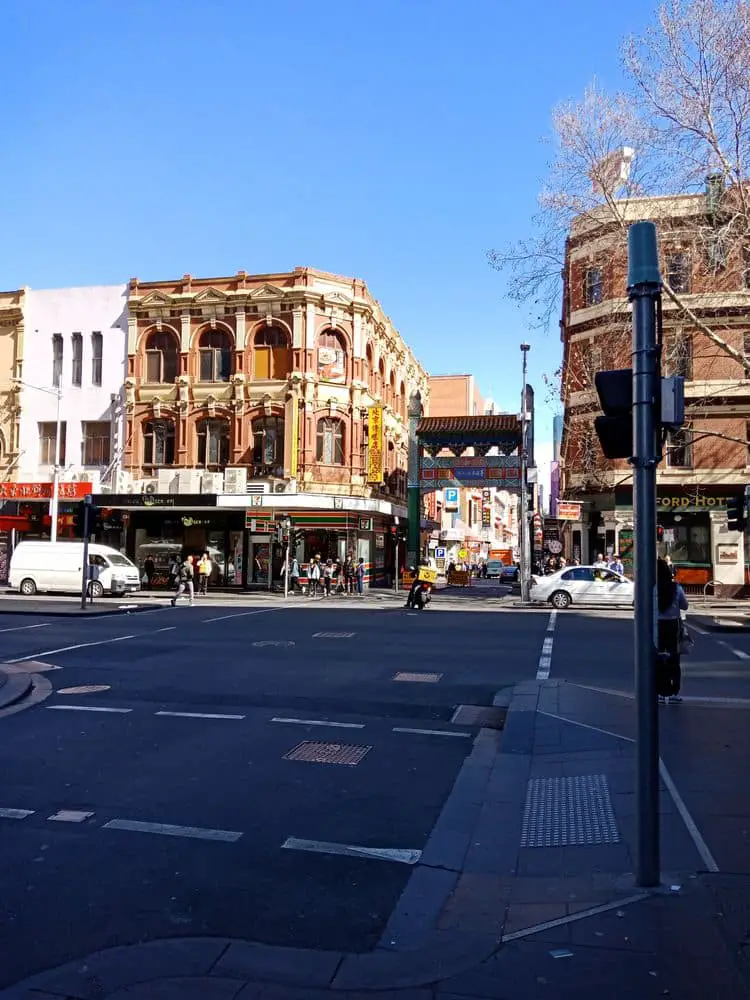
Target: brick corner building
[[708, 461]]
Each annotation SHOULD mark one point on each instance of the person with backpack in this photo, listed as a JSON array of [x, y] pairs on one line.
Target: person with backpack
[[671, 602], [185, 577]]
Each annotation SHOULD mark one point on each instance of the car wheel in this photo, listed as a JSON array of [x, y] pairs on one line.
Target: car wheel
[[560, 600], [28, 587], [95, 589]]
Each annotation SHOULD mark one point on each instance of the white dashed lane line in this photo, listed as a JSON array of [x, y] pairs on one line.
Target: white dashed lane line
[[67, 649], [89, 708], [200, 715], [739, 653], [320, 722], [545, 658], [22, 628], [170, 830]]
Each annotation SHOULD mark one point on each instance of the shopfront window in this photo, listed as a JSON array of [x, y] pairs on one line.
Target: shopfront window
[[687, 543]]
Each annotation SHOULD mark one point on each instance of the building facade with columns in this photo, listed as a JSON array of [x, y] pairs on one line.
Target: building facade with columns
[[250, 398]]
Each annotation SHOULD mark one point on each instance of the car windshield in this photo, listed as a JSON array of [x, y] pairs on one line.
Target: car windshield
[[117, 560]]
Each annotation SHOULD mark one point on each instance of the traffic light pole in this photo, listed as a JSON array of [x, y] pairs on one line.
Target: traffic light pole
[[523, 521], [644, 291]]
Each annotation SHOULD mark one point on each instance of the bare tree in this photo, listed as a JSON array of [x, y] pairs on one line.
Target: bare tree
[[684, 118]]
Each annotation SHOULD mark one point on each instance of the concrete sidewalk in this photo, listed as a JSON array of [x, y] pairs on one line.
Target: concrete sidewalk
[[524, 891]]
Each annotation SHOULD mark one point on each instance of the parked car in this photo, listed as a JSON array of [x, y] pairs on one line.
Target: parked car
[[582, 585], [509, 573], [58, 567], [503, 571]]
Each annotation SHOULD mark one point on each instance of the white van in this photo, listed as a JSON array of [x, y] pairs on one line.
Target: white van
[[57, 566]]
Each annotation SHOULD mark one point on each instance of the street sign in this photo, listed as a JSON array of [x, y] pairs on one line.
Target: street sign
[[451, 499], [440, 553], [554, 546], [463, 554], [568, 510]]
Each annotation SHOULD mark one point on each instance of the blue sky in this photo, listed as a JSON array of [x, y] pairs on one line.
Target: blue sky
[[394, 140]]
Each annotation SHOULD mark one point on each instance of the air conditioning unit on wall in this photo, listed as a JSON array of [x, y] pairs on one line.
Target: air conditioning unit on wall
[[235, 480], [285, 486], [212, 482]]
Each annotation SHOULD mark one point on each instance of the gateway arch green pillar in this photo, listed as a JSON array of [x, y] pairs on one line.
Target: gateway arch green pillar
[[413, 491]]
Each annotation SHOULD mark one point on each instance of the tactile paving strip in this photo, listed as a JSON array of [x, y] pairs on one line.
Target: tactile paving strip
[[317, 752], [562, 812]]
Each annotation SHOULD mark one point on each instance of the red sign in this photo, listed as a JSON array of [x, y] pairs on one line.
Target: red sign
[[568, 510], [43, 491]]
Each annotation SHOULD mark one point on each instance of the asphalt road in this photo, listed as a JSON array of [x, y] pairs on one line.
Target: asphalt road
[[189, 733]]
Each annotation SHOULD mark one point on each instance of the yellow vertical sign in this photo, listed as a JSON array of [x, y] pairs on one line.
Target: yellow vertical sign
[[375, 468], [294, 452]]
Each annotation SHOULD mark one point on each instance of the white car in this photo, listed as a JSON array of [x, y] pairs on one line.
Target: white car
[[582, 585]]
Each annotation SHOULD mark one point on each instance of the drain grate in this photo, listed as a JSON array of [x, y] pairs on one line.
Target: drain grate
[[333, 635], [562, 812], [404, 675], [317, 752], [486, 716]]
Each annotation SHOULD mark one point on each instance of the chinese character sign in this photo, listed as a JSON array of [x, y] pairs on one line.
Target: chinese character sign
[[375, 468]]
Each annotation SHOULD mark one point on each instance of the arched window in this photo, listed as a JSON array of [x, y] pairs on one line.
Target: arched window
[[215, 348], [161, 357], [272, 354], [213, 443], [330, 442], [392, 390], [402, 401], [381, 378], [370, 368], [331, 357], [268, 446], [158, 442]]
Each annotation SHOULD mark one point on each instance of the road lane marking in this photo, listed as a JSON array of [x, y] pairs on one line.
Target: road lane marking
[[169, 628], [740, 654], [69, 816], [67, 649], [697, 628], [585, 725], [404, 857], [320, 722], [700, 844], [545, 657], [169, 830], [432, 732], [200, 715], [241, 614], [15, 813], [89, 708], [20, 628]]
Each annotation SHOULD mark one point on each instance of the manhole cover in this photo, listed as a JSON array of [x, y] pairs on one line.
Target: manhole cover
[[328, 753], [84, 689], [333, 635], [479, 715], [274, 642], [405, 675], [564, 811]]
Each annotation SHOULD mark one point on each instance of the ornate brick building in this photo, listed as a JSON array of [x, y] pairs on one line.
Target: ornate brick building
[[254, 391], [708, 461]]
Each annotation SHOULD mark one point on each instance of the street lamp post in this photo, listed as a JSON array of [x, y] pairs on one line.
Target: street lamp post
[[523, 522], [287, 529]]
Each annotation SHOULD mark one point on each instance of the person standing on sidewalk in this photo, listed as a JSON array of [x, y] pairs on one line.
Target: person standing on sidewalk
[[361, 577], [349, 574], [328, 576], [294, 575], [205, 567], [186, 577], [671, 602], [313, 573]]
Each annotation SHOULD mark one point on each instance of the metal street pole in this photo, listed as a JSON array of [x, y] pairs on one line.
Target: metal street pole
[[85, 569], [523, 521], [413, 489], [644, 291], [54, 501]]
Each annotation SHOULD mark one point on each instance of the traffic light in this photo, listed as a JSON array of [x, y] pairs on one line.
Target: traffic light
[[79, 520], [615, 428], [736, 514]]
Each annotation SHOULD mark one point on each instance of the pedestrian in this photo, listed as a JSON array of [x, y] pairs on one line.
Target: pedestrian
[[328, 571], [293, 574], [361, 577], [600, 562], [615, 564], [149, 568], [185, 581], [174, 572], [350, 574], [205, 566], [313, 573], [671, 602]]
